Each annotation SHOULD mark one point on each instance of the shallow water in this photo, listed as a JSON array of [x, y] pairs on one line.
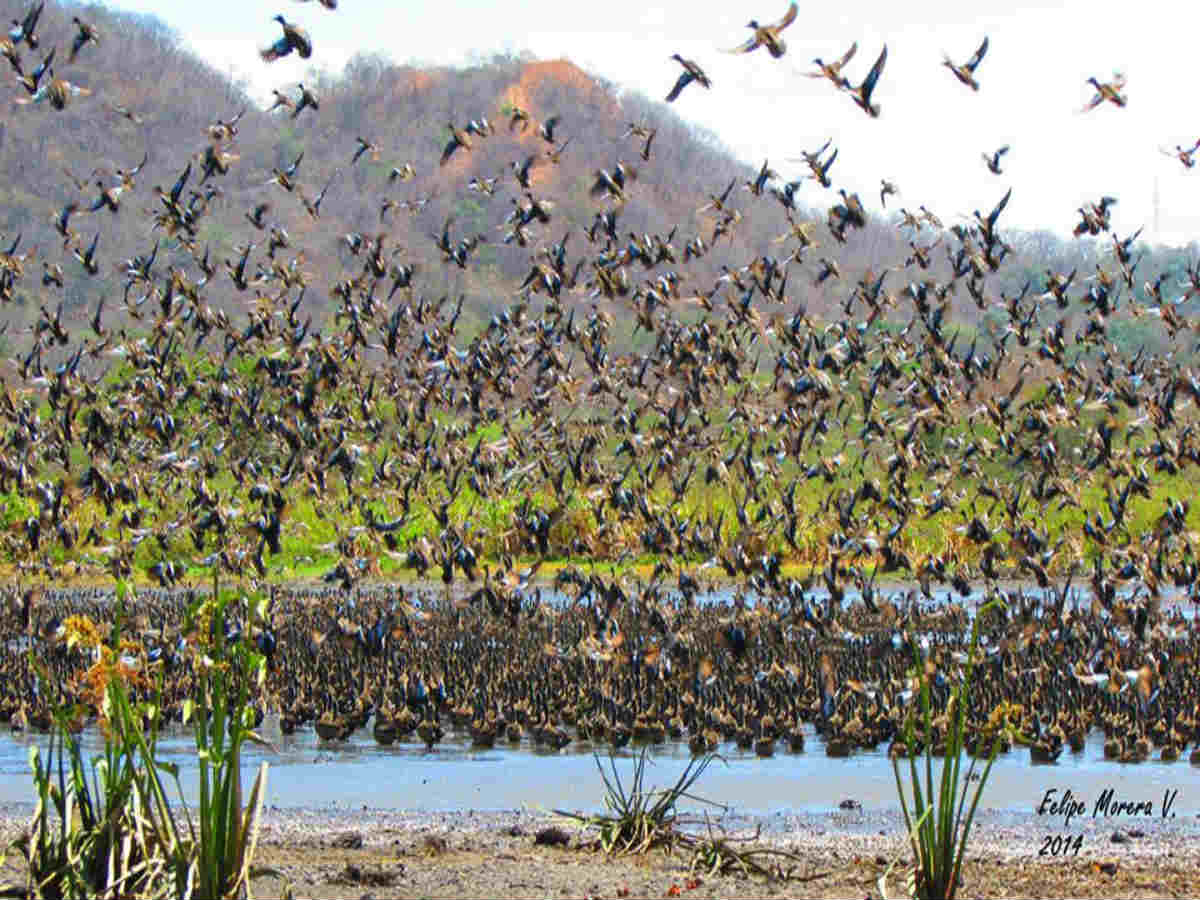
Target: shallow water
[[307, 774]]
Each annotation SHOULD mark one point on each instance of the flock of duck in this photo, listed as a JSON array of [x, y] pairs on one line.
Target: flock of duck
[[745, 439], [592, 661]]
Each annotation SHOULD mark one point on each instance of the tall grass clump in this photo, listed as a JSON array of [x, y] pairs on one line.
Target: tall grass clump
[[108, 826], [223, 720], [640, 818], [934, 814], [98, 828]]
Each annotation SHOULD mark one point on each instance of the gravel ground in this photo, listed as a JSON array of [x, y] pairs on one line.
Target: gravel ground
[[383, 854]]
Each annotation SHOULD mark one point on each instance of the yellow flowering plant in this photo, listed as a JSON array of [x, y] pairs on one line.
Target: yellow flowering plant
[[106, 828]]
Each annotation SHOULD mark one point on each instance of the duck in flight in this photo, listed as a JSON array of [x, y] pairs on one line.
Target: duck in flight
[[294, 38], [691, 72], [86, 33], [992, 160], [833, 70], [768, 35], [458, 138], [966, 72], [862, 94], [23, 30], [1109, 90], [1185, 156], [886, 187]]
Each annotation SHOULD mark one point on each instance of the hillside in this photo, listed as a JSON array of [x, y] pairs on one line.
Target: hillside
[[405, 112], [697, 335]]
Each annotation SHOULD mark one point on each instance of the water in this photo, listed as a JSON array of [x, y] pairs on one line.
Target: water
[[305, 773], [897, 592]]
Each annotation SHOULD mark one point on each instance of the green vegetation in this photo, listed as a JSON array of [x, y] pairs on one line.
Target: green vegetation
[[934, 814], [108, 827], [223, 718], [640, 818]]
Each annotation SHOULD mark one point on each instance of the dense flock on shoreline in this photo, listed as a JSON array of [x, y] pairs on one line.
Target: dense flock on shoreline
[[610, 664], [232, 416]]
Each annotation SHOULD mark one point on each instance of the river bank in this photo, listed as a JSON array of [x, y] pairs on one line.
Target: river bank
[[327, 853]]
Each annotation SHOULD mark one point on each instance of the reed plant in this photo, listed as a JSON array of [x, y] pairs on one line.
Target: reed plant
[[93, 836], [102, 827], [108, 827], [640, 818], [935, 815], [222, 721]]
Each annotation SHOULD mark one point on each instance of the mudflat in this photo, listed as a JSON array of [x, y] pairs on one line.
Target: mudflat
[[385, 854]]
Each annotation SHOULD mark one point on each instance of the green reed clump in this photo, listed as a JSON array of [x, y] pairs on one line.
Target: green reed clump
[[102, 827], [106, 827], [934, 815], [223, 720], [641, 818]]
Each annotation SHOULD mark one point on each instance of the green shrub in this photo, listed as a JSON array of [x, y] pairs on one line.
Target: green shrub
[[935, 822], [107, 828]]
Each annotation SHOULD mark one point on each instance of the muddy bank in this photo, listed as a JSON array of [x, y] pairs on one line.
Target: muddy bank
[[469, 854], [329, 853]]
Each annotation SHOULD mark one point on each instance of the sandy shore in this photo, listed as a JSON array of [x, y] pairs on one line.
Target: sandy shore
[[383, 854]]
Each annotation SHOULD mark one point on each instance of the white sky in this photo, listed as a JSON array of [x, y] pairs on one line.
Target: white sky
[[932, 130]]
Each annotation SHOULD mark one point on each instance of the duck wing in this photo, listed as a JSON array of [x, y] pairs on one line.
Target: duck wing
[[995, 213], [278, 49], [685, 78], [302, 43], [749, 44], [978, 57], [868, 85], [450, 148], [788, 17], [849, 55]]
